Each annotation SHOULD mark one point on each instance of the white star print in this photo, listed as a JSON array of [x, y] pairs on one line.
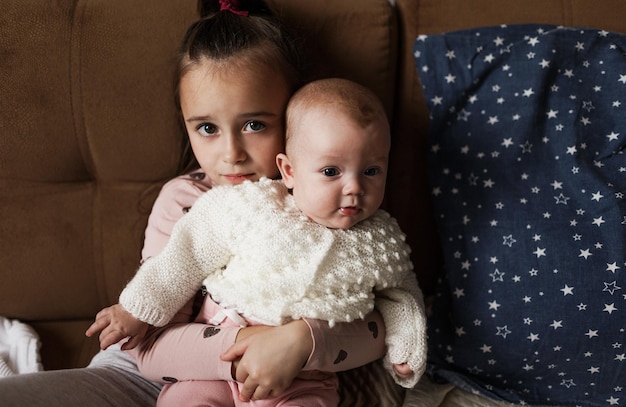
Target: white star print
[[503, 331], [508, 240], [557, 185], [610, 308], [614, 401], [533, 41], [533, 337], [598, 221], [556, 324], [497, 275], [459, 292], [612, 267], [495, 202], [612, 136], [611, 287]]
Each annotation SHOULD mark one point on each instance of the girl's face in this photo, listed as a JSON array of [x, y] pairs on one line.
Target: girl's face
[[234, 119]]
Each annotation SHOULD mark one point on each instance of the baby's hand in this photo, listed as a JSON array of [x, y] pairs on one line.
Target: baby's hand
[[116, 324], [403, 370]]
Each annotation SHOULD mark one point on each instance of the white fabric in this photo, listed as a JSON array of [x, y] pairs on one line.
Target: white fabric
[[258, 254], [19, 348], [230, 314]]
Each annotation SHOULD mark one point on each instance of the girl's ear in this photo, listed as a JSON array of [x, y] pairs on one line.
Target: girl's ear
[[286, 169]]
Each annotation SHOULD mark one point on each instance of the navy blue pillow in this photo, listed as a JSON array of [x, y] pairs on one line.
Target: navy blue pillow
[[528, 176]]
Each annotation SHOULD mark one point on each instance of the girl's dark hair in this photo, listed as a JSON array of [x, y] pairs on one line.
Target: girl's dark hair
[[221, 35]]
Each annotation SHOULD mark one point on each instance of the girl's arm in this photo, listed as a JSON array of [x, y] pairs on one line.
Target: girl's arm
[[272, 358], [346, 345], [193, 351]]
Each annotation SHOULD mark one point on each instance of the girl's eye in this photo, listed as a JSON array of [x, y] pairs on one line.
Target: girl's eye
[[330, 172], [207, 129], [372, 171], [254, 125]]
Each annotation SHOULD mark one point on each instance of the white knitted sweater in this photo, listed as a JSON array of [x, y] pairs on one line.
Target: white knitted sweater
[[257, 253]]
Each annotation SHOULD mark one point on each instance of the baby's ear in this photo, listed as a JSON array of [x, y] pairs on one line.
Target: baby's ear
[[286, 169]]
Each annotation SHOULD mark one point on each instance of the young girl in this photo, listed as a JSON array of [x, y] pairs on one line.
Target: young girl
[[249, 75], [325, 251]]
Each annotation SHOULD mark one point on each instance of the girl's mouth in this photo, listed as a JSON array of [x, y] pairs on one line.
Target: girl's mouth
[[237, 178]]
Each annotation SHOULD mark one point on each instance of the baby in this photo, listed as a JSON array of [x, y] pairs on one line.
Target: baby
[[312, 245]]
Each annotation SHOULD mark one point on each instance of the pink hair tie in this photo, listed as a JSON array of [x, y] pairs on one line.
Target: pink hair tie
[[231, 5]]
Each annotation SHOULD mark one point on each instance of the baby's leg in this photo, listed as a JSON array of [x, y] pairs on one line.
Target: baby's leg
[[213, 314], [192, 393], [302, 393], [197, 393]]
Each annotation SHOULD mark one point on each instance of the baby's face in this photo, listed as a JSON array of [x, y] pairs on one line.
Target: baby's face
[[339, 167]]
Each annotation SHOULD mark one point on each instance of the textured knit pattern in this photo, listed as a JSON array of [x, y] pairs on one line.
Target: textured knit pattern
[[257, 253]]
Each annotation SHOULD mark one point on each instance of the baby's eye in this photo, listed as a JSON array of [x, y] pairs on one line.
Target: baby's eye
[[330, 172], [207, 129], [254, 125], [372, 171]]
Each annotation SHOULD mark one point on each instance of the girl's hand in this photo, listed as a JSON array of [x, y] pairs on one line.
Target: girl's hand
[[267, 359], [116, 324], [403, 370]]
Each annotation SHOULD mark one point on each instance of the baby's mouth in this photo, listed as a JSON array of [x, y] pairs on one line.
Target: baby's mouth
[[349, 210]]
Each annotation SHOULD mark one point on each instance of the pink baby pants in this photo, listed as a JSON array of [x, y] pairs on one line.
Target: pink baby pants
[[192, 393]]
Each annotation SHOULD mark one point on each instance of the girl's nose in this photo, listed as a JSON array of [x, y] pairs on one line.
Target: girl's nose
[[233, 150]]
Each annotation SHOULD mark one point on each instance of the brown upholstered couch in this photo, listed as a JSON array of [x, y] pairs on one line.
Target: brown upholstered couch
[[89, 132]]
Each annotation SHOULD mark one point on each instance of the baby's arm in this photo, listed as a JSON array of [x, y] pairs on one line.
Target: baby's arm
[[165, 282], [161, 286], [116, 324], [402, 309]]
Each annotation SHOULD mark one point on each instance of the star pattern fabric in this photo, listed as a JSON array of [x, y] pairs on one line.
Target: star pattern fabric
[[528, 177]]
